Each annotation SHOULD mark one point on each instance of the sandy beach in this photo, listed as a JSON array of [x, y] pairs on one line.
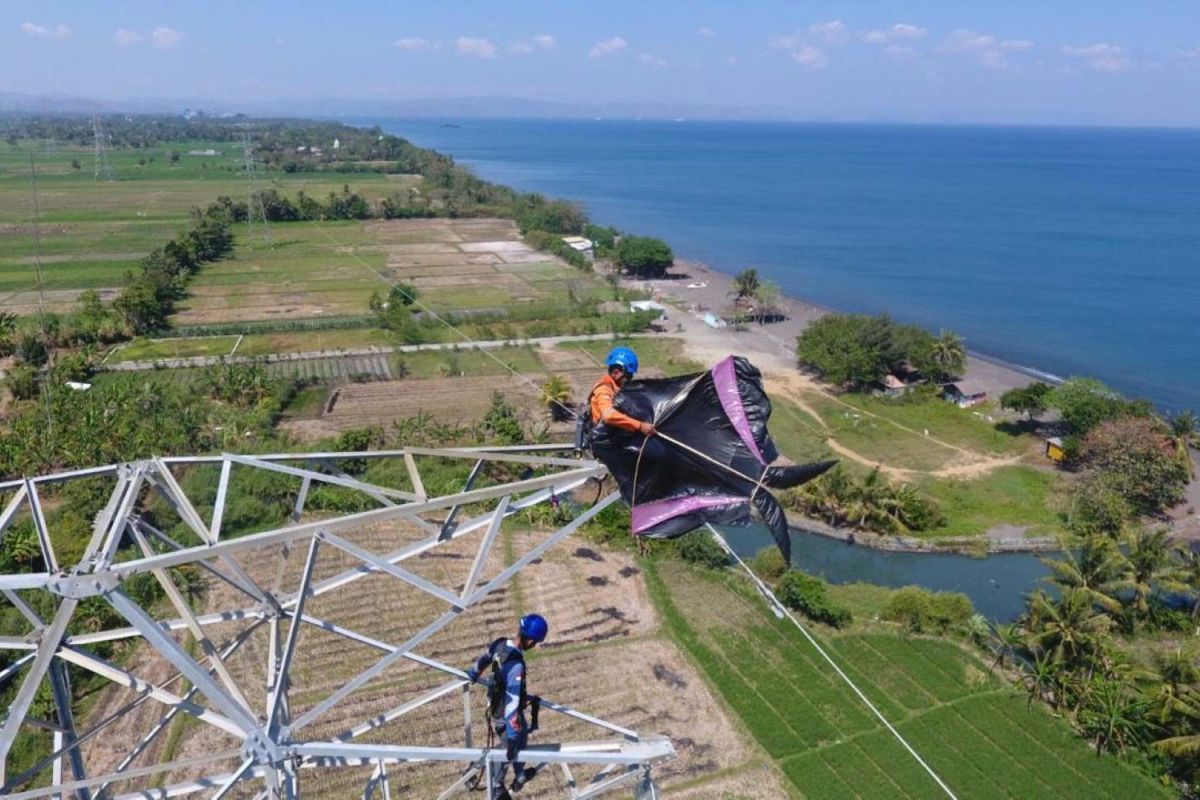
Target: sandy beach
[[694, 289]]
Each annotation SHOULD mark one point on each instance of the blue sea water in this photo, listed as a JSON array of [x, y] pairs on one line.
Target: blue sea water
[[1073, 251]]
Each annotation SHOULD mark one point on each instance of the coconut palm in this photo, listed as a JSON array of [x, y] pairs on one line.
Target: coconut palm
[[1068, 629], [1007, 638], [1150, 568], [948, 351], [556, 394], [1185, 712], [1041, 679], [1094, 571], [746, 283]]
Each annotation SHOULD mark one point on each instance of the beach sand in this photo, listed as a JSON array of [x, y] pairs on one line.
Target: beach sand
[[693, 289]]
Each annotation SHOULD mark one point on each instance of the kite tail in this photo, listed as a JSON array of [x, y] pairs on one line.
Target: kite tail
[[787, 477], [774, 518]]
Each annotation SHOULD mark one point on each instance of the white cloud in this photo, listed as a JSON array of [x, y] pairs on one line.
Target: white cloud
[[809, 56], [706, 32], [898, 50], [125, 37], [543, 41], [1190, 54], [1101, 56], [832, 31], [652, 60], [732, 61], [414, 43], [165, 38], [607, 47], [471, 46], [901, 31], [59, 31], [991, 51]]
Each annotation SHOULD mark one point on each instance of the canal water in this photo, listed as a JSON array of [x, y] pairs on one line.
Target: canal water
[[997, 584]]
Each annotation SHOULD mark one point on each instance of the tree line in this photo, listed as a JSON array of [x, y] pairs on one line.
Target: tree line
[[852, 351]]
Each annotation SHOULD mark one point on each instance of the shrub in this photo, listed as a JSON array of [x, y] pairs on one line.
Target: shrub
[[699, 548], [806, 594], [920, 610], [769, 564], [22, 383]]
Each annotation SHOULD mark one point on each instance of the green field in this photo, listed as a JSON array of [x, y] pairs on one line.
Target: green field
[[1016, 495], [187, 347], [979, 735], [93, 232], [663, 354]]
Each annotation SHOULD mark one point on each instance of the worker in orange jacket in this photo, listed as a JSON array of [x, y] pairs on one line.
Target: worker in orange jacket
[[622, 364]]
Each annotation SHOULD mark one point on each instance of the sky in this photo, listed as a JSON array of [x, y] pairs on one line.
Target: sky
[[1104, 62]]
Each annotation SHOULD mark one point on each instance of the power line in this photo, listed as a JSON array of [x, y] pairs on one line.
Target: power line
[[37, 238], [781, 611]]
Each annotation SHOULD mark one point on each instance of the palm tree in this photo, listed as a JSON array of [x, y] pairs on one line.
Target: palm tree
[[1150, 568], [1094, 570], [1068, 629], [1186, 713], [948, 352], [1006, 638], [1174, 669], [556, 394], [1041, 680], [745, 284]]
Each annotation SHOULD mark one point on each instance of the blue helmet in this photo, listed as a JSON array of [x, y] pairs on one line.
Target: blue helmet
[[624, 358], [534, 627]]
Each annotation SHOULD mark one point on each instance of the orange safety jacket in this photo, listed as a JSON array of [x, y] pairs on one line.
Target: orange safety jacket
[[602, 406]]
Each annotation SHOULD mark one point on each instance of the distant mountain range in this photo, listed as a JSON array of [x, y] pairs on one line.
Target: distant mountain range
[[439, 107]]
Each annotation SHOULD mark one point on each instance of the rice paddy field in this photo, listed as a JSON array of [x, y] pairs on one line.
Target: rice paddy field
[[981, 737], [92, 232]]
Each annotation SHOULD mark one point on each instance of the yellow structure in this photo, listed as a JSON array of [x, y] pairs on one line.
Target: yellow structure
[[1054, 450]]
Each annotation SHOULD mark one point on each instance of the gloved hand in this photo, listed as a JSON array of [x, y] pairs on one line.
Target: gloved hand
[[473, 674]]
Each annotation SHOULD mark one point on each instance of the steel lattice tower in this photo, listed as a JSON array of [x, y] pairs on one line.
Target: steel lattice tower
[[275, 593], [256, 214], [103, 170]]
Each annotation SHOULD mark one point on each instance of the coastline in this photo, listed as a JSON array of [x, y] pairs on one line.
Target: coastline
[[773, 344]]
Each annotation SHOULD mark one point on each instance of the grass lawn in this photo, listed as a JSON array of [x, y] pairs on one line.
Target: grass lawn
[[180, 347], [468, 363], [261, 344], [796, 433], [977, 733], [1016, 495]]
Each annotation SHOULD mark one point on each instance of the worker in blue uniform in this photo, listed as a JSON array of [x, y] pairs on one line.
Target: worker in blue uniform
[[508, 697]]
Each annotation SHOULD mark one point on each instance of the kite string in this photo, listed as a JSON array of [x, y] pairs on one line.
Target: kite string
[[780, 609]]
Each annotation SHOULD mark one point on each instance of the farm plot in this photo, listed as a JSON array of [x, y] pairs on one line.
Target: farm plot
[[457, 400], [978, 734], [373, 367]]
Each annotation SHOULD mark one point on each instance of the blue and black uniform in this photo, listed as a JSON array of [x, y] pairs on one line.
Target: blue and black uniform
[[508, 700]]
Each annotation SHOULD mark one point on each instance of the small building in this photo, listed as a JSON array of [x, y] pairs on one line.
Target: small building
[[336, 143], [890, 386], [1054, 450], [965, 393], [581, 245], [208, 152]]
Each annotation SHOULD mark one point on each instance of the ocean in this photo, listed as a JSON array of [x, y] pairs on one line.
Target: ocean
[[1068, 251]]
